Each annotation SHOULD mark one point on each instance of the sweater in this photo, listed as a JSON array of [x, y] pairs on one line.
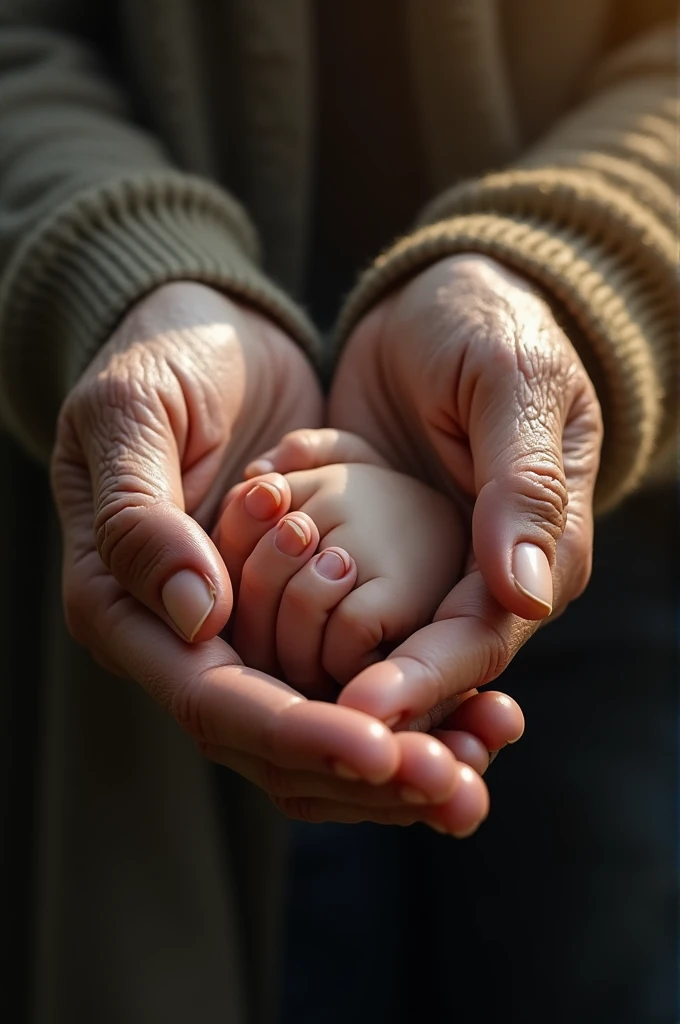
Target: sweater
[[543, 147], [266, 148]]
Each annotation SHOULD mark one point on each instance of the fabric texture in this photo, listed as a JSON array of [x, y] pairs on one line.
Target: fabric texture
[[147, 142]]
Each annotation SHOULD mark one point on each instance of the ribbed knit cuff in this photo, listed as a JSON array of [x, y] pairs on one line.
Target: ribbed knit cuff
[[604, 259], [74, 278]]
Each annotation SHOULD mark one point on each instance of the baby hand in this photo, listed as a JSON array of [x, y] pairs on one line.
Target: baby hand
[[360, 557]]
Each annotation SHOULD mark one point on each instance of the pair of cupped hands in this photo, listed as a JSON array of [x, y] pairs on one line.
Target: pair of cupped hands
[[463, 379]]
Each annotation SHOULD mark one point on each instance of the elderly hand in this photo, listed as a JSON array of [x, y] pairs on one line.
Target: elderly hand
[[189, 388], [464, 379]]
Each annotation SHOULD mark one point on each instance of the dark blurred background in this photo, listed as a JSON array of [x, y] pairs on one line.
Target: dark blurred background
[[564, 907]]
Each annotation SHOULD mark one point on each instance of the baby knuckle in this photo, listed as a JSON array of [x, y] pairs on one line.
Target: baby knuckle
[[364, 633], [297, 448], [253, 584], [298, 597]]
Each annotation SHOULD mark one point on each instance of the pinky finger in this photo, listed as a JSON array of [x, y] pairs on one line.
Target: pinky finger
[[493, 717], [307, 602]]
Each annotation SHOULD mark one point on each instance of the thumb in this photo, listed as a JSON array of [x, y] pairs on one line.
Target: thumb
[[521, 506], [155, 551]]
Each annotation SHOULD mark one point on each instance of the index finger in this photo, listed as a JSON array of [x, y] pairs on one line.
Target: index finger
[[222, 703], [470, 643]]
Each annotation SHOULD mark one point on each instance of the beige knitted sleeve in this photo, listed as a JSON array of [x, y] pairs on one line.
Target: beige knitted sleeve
[[590, 213], [92, 216]]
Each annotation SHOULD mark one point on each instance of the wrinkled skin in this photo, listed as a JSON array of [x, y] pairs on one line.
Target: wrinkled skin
[[464, 379], [187, 390]]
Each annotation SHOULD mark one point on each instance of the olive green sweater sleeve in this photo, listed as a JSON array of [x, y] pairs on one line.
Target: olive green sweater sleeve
[[589, 214], [92, 216]]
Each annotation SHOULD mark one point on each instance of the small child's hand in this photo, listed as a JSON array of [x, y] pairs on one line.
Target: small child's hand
[[390, 549]]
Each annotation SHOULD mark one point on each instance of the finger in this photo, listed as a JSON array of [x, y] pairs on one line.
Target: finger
[[428, 771], [521, 518], [278, 556], [309, 449], [427, 775], [122, 464], [467, 809], [470, 643], [517, 414], [308, 601], [285, 784], [251, 513], [372, 614], [493, 717], [471, 724], [459, 816], [222, 704]]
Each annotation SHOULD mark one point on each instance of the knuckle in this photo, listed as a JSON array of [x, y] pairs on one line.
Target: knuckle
[[497, 654], [126, 544], [438, 684], [297, 448], [363, 633], [254, 582], [500, 646], [542, 491], [299, 599]]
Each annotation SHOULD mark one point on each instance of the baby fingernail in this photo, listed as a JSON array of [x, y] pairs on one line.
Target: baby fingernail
[[188, 598], [331, 565], [262, 501], [438, 828], [532, 575], [292, 537], [413, 796], [343, 771]]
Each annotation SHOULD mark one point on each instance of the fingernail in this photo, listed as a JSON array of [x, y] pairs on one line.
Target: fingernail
[[259, 467], [493, 754], [262, 501], [393, 720], [188, 598], [292, 537], [343, 771], [413, 796], [438, 828], [331, 565], [532, 576]]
